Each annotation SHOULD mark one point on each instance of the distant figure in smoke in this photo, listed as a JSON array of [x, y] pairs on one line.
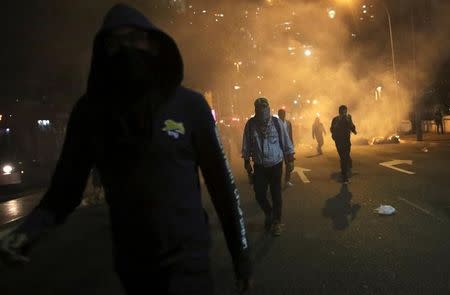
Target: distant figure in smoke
[[266, 142], [341, 127], [318, 131], [287, 124], [148, 136], [438, 119]]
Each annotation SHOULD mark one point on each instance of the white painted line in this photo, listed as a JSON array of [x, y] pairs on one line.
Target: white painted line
[[416, 206], [425, 211], [301, 172], [391, 165]]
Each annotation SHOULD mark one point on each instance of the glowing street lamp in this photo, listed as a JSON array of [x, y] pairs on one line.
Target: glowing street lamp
[[308, 52], [238, 65], [331, 13], [378, 93]]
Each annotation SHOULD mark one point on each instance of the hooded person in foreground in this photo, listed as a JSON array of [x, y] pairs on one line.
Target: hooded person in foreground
[[147, 135]]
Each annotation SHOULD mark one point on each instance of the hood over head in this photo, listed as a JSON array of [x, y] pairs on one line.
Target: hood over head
[[120, 15]]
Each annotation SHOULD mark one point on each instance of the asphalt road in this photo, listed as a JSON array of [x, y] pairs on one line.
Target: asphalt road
[[333, 242]]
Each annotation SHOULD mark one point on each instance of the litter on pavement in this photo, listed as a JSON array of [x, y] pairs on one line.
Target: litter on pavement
[[385, 210]]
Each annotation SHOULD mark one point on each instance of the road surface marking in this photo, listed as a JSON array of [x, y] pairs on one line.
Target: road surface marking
[[425, 211], [391, 165], [301, 172]]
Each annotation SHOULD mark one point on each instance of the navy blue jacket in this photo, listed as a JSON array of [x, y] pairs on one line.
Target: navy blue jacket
[[341, 129]]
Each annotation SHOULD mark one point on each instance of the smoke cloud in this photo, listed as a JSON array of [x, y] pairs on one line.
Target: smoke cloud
[[291, 52]]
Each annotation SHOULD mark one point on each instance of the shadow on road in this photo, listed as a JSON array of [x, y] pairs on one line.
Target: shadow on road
[[261, 247], [340, 209], [336, 176], [313, 156]]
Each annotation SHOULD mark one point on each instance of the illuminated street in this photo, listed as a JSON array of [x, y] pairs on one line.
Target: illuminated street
[[18, 206], [332, 240]]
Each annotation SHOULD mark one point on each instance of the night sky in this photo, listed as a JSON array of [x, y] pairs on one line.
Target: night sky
[[47, 44]]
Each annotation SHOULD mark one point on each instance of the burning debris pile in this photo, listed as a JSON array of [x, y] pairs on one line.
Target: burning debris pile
[[391, 139]]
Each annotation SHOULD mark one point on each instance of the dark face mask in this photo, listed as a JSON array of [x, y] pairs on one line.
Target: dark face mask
[[132, 71], [262, 114]]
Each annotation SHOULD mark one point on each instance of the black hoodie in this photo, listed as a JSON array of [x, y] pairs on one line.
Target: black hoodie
[[151, 180]]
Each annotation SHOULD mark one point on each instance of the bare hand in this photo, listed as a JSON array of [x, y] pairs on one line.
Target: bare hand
[[290, 166], [12, 248], [248, 167]]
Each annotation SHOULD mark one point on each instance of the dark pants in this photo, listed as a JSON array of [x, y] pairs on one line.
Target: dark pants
[[264, 178], [346, 160], [177, 279], [319, 144], [439, 127]]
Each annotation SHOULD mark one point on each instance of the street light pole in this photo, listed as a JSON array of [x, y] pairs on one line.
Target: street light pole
[[394, 70], [417, 108]]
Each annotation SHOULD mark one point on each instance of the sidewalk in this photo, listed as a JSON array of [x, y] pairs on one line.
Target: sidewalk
[[427, 138]]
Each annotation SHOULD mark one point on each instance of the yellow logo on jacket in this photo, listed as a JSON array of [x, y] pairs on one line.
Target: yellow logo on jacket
[[173, 128]]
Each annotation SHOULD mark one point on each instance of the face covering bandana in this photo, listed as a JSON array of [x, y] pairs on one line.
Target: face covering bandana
[[262, 115], [132, 71]]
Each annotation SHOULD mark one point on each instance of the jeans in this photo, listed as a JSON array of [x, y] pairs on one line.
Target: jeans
[[346, 160], [269, 177]]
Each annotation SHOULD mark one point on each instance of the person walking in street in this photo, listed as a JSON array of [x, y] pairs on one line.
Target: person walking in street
[[266, 142], [147, 136], [318, 131], [287, 124], [438, 119], [341, 127]]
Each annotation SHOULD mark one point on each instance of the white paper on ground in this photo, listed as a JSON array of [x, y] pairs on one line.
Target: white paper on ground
[[385, 210]]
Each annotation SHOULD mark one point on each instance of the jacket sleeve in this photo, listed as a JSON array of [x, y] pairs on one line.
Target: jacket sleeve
[[352, 126], [221, 186], [290, 132], [72, 170], [246, 145]]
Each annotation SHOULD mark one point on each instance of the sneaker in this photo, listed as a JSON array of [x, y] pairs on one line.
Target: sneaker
[[289, 184], [277, 229], [350, 172]]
